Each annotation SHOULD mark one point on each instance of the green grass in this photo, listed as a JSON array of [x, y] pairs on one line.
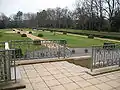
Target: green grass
[[10, 36], [73, 41], [28, 47], [110, 35], [4, 37]]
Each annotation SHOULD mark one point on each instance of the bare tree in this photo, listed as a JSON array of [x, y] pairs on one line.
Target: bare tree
[[110, 8]]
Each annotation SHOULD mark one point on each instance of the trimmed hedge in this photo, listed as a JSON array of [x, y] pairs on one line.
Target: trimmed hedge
[[51, 30], [18, 53], [37, 42], [65, 33], [30, 32], [91, 36], [23, 35], [18, 32], [40, 35]]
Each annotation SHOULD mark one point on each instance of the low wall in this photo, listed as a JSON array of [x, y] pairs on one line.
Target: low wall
[[82, 61]]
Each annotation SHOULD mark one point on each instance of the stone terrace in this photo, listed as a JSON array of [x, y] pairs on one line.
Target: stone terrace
[[66, 76]]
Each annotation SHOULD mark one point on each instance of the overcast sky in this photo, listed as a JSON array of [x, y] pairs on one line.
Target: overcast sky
[[12, 6]]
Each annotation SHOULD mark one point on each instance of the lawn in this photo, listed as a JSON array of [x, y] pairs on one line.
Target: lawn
[[101, 34], [4, 36], [73, 41]]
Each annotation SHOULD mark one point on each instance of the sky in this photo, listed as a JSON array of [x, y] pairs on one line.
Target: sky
[[10, 7]]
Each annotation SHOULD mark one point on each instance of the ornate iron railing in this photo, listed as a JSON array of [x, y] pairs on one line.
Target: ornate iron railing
[[7, 65], [38, 49], [104, 56]]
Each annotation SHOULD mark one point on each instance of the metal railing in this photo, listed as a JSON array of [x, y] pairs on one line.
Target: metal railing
[[104, 56], [39, 49], [7, 65]]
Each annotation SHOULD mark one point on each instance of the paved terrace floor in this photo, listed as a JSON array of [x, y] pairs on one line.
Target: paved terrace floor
[[66, 76]]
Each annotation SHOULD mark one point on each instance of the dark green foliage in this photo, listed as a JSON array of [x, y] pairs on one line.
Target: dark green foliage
[[40, 35], [91, 36], [18, 53], [65, 33], [23, 35], [51, 30], [30, 32], [109, 45], [37, 42], [18, 32]]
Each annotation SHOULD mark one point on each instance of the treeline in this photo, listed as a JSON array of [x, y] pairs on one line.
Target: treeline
[[99, 15]]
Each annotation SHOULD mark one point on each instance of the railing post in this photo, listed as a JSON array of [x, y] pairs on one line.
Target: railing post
[[58, 45], [91, 66], [14, 58], [64, 46]]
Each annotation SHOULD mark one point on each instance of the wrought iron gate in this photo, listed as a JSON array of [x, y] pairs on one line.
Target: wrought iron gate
[[38, 49], [104, 56]]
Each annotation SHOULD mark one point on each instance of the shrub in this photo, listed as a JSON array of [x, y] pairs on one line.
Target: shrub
[[18, 32], [30, 32], [64, 33], [37, 42], [51, 30], [91, 36], [23, 35], [40, 35], [18, 53]]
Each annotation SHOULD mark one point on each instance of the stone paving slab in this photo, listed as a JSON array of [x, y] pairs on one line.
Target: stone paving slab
[[66, 76]]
